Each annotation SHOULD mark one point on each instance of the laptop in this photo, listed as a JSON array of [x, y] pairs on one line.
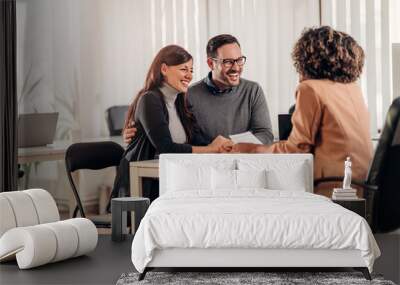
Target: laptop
[[284, 125], [37, 129]]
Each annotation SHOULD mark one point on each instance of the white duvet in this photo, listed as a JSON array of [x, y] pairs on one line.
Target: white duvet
[[252, 218]]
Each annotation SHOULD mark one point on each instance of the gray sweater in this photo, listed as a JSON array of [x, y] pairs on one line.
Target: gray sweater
[[240, 109]]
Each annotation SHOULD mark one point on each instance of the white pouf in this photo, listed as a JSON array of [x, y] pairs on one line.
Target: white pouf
[[31, 232]]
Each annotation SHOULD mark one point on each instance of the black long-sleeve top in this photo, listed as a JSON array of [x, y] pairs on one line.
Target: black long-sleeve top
[[153, 136]]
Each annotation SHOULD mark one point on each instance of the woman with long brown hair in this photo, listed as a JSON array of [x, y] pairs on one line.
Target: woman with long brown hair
[[162, 118]]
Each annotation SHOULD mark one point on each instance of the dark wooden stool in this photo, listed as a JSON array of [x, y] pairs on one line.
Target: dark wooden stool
[[119, 207]]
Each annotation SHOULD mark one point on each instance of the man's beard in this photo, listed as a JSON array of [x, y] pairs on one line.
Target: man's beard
[[232, 81]]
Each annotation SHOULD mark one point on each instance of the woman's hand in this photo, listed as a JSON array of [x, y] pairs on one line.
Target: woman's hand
[[129, 133], [221, 144], [226, 147]]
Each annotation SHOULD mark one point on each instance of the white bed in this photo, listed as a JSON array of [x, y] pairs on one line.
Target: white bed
[[247, 211]]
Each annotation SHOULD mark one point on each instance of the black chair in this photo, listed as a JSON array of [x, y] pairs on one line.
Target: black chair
[[381, 188], [115, 117], [285, 124], [94, 156], [291, 109]]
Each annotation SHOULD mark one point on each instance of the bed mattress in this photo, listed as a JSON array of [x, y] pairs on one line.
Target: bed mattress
[[250, 219]]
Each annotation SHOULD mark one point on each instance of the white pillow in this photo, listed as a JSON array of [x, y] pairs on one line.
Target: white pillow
[[251, 178], [188, 177], [223, 179], [235, 179], [293, 178]]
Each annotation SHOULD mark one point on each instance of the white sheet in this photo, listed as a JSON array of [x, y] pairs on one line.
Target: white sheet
[[252, 218]]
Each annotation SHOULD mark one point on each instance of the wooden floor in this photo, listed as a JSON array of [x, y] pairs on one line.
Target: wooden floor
[[102, 266]]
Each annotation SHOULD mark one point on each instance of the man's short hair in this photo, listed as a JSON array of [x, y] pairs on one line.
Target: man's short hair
[[218, 41]]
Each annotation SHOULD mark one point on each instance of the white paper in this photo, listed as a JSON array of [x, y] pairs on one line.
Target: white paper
[[246, 137]]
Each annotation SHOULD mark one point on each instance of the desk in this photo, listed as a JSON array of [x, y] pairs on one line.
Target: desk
[[138, 170], [51, 152], [55, 152]]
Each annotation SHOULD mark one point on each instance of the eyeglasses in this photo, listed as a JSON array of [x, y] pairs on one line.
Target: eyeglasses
[[229, 62]]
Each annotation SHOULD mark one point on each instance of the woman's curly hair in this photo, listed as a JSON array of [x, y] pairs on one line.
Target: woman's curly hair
[[324, 53]]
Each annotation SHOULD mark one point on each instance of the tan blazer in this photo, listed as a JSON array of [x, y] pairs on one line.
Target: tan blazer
[[331, 121]]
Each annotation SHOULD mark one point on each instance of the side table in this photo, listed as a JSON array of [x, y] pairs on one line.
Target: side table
[[119, 207], [357, 205]]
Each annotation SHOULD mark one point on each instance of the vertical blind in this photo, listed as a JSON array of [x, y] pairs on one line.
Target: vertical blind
[[368, 22]]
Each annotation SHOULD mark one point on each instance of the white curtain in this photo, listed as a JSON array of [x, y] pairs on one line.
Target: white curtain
[[395, 39], [368, 21], [79, 57]]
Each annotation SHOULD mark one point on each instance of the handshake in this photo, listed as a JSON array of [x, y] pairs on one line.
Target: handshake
[[219, 145], [223, 145]]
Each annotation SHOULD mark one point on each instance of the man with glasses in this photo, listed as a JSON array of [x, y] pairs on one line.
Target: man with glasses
[[223, 103]]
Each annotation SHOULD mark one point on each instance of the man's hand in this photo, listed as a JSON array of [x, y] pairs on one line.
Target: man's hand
[[221, 144], [129, 133], [226, 147]]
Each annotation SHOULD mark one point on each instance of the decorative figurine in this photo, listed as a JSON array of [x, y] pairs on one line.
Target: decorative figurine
[[347, 174], [346, 192]]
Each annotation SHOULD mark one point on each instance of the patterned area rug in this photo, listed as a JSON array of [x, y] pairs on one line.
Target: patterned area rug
[[229, 278]]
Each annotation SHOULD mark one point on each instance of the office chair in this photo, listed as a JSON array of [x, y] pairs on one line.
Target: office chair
[[285, 124], [291, 109], [115, 117], [381, 188], [94, 156]]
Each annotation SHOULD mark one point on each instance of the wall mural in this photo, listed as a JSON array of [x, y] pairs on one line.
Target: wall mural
[[79, 57]]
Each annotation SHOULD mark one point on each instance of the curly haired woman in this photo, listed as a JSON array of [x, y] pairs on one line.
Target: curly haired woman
[[331, 119]]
